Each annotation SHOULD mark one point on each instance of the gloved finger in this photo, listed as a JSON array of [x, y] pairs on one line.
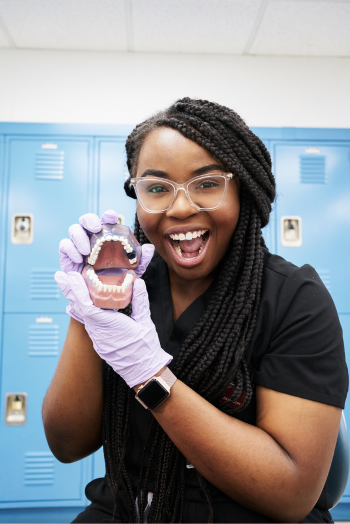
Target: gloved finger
[[109, 217], [90, 222], [62, 280], [81, 294], [140, 303], [67, 248], [80, 239], [146, 257]]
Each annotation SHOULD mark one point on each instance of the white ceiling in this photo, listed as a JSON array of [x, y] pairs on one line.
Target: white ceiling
[[250, 27]]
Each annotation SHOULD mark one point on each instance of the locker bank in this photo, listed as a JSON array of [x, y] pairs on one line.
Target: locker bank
[[52, 174]]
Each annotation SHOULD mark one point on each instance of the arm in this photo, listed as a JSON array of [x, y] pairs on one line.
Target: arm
[[72, 408], [284, 459]]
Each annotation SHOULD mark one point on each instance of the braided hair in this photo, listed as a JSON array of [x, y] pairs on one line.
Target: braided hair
[[213, 355]]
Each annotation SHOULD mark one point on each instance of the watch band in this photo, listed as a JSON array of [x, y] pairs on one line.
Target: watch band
[[168, 377]]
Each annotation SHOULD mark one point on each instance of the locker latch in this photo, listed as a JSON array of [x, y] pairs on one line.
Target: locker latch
[[16, 409], [291, 234], [22, 228]]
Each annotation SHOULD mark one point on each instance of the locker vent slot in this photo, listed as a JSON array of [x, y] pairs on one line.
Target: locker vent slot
[[325, 276], [49, 165], [312, 169], [43, 340], [43, 285], [39, 468]]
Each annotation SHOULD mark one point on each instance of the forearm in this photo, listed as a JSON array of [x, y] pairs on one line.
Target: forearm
[[72, 408], [242, 460]]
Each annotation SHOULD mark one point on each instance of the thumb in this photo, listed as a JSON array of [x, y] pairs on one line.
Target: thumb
[[81, 293], [140, 303], [146, 257], [62, 280]]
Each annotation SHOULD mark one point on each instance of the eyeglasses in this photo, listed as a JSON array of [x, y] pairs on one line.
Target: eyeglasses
[[205, 192]]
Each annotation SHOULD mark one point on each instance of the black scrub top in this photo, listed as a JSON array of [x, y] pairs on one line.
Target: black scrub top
[[297, 348]]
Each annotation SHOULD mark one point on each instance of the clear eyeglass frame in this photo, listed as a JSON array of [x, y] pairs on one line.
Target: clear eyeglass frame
[[184, 187]]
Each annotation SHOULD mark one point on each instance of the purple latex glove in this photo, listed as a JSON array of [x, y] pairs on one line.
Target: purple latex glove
[[129, 345]]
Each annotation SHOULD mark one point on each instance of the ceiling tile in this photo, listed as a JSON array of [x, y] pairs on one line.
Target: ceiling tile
[[304, 28], [3, 39], [193, 26], [66, 24]]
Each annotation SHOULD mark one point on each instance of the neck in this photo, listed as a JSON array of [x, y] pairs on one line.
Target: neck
[[184, 292]]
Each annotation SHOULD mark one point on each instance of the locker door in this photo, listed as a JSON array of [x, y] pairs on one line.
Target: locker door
[[313, 182], [112, 173], [49, 179], [29, 472]]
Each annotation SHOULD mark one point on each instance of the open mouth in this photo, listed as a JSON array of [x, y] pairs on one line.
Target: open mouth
[[108, 272], [189, 247]]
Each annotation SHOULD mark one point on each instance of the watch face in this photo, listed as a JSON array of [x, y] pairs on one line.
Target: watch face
[[153, 394]]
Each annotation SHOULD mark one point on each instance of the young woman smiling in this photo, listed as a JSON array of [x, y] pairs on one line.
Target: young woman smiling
[[248, 345]]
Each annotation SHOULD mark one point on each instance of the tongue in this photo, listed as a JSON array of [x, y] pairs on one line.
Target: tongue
[[191, 246]]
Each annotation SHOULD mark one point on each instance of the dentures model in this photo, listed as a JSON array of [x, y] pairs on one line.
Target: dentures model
[[109, 274]]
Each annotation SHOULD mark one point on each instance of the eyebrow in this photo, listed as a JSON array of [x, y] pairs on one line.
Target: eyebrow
[[210, 167], [154, 172], [199, 171]]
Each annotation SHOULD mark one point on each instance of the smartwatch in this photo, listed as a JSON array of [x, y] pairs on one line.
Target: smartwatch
[[156, 390]]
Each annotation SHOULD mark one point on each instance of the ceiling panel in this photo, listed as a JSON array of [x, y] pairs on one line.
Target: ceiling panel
[[193, 26], [66, 24], [306, 28], [3, 39]]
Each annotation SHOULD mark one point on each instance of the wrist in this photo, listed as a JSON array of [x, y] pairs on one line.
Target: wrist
[[136, 388]]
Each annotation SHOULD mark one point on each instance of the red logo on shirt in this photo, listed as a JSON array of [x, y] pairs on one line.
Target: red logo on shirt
[[228, 394]]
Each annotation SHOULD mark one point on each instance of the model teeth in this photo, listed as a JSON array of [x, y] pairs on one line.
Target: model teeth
[[189, 235], [108, 287], [99, 243]]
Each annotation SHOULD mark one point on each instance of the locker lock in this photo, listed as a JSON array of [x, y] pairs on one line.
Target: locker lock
[[16, 409], [291, 234], [22, 228]]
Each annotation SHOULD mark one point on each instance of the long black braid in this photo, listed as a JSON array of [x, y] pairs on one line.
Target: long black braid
[[214, 353]]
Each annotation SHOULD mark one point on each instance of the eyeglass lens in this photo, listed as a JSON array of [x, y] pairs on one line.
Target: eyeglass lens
[[158, 195]]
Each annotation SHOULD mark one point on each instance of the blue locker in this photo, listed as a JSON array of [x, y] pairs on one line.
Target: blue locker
[[112, 173], [313, 182], [29, 473], [48, 178]]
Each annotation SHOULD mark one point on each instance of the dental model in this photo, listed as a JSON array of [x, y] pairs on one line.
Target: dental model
[[108, 272]]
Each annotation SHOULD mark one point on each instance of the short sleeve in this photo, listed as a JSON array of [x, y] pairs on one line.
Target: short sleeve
[[305, 355]]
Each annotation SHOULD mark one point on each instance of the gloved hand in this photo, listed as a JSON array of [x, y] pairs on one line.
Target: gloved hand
[[129, 345], [72, 250]]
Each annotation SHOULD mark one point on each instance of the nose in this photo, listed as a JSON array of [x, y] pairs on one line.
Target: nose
[[181, 207]]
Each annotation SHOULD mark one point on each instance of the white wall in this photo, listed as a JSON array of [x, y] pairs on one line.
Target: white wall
[[102, 87]]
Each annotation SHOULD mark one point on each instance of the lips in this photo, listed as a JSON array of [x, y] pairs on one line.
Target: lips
[[108, 272], [188, 247]]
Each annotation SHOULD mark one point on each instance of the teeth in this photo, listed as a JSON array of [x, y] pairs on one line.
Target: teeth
[[108, 287], [133, 260], [115, 238], [109, 237], [189, 235]]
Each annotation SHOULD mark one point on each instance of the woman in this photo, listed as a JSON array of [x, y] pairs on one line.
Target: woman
[[258, 375]]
